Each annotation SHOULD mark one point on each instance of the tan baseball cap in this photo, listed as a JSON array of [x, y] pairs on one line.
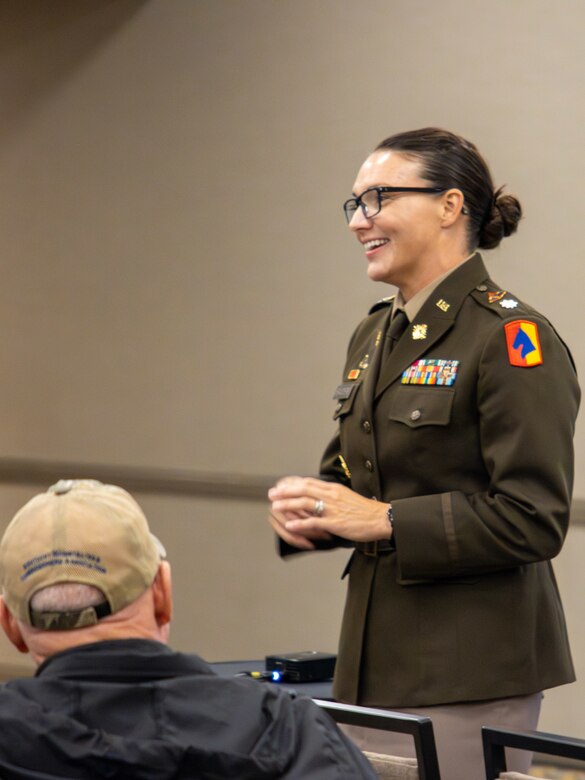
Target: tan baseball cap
[[79, 531]]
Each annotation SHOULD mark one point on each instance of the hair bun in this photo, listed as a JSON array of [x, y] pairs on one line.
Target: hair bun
[[501, 220]]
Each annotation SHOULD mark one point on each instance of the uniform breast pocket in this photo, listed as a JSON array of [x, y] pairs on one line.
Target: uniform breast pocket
[[345, 396], [418, 406]]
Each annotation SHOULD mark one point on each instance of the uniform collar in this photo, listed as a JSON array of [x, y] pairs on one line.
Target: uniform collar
[[415, 304], [435, 317]]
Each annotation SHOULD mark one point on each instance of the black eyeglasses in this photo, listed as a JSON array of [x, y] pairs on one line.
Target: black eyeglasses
[[370, 201]]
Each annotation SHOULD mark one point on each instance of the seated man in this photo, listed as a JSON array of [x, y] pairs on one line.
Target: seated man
[[86, 590]]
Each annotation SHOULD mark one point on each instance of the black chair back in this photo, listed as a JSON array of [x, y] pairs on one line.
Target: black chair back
[[496, 740], [420, 728]]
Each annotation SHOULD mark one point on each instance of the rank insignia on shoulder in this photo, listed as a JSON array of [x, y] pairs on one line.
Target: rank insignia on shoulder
[[508, 303], [419, 331], [431, 372], [523, 344], [354, 373], [495, 296]]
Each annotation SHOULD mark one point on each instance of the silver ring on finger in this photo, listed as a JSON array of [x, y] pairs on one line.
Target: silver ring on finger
[[319, 507]]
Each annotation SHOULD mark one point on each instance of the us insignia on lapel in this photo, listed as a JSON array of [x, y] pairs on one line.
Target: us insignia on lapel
[[419, 331], [431, 372]]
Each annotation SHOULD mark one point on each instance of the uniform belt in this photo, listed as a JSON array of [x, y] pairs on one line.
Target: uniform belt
[[374, 549]]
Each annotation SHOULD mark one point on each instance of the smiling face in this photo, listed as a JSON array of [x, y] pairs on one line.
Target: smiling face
[[404, 242]]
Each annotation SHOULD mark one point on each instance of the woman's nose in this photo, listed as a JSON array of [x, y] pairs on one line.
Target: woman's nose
[[359, 220]]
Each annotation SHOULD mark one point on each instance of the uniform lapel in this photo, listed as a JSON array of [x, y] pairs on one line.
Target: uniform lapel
[[376, 363], [435, 318]]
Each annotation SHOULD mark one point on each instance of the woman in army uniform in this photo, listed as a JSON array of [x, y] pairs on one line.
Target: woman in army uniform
[[451, 472]]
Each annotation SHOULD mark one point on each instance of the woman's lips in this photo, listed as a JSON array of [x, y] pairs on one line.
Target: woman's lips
[[374, 245]]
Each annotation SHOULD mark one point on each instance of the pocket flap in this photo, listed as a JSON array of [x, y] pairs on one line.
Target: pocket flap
[[418, 406]]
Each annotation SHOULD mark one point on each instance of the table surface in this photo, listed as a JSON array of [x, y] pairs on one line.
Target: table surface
[[315, 690]]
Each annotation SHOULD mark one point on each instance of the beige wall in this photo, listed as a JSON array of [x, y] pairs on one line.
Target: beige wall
[[178, 286]]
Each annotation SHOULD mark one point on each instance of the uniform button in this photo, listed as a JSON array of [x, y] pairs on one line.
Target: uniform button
[[366, 425], [416, 415], [369, 465], [481, 288]]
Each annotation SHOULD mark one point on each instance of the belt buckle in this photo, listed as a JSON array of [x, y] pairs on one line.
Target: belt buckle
[[370, 549]]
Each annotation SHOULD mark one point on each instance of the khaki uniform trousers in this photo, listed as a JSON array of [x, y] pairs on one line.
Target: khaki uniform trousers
[[457, 729]]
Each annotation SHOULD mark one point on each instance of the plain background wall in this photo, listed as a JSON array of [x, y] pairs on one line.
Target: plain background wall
[[178, 286]]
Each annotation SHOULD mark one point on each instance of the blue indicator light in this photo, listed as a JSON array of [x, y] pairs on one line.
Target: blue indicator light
[[276, 676]]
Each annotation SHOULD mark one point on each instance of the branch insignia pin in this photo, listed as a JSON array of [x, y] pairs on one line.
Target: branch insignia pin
[[495, 296]]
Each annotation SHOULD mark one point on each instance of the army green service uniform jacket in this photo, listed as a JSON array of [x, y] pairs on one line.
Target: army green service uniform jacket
[[473, 448]]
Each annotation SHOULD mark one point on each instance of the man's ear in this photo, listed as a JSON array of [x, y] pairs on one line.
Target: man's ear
[[162, 591], [11, 627], [453, 202]]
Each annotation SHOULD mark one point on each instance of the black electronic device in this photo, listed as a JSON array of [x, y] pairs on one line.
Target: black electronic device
[[304, 666]]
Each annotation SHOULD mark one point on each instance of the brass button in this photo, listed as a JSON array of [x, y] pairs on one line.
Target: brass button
[[369, 465], [416, 415], [367, 426]]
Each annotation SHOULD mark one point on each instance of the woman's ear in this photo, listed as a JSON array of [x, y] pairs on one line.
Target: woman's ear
[[162, 591], [11, 627], [453, 202]]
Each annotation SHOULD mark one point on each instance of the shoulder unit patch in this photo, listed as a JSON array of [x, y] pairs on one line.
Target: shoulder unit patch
[[523, 344]]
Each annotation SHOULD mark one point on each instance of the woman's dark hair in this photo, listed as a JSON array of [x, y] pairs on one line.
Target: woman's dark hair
[[448, 161]]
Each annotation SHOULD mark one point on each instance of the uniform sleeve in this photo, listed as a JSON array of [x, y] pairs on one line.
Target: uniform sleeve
[[526, 425]]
